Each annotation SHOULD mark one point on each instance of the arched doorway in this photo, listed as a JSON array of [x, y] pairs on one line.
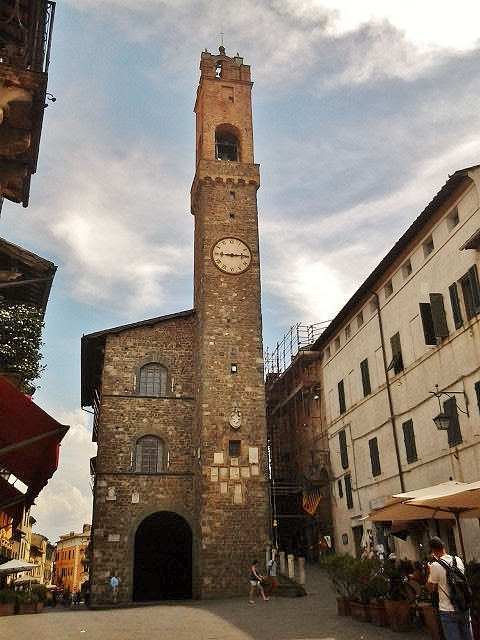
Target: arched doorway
[[163, 558]]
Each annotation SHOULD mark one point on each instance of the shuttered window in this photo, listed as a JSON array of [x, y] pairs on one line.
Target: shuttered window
[[455, 302], [409, 439], [341, 397], [471, 292], [374, 457], [434, 320], [342, 439], [454, 433], [348, 492], [397, 358], [365, 377]]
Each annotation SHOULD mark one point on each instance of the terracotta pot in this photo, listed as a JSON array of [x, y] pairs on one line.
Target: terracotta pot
[[343, 606], [378, 615], [360, 611], [30, 607], [432, 621], [398, 614], [7, 608]]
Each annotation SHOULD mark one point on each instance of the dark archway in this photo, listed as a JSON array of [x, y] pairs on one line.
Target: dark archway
[[163, 559]]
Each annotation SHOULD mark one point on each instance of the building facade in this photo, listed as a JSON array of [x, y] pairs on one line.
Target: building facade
[[180, 490], [70, 565], [405, 348]]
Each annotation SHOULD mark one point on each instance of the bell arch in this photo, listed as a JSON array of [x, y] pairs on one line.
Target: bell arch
[[163, 558]]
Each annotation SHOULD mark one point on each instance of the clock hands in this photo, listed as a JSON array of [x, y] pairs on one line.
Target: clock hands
[[234, 255]]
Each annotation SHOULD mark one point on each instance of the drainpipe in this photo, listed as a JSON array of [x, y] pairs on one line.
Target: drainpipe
[[389, 394]]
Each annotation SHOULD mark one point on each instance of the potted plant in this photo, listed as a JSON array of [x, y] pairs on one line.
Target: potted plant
[[365, 591], [7, 602], [20, 342], [399, 596], [340, 571], [472, 571], [28, 602]]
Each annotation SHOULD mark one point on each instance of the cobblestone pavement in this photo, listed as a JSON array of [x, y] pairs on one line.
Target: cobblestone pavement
[[312, 617]]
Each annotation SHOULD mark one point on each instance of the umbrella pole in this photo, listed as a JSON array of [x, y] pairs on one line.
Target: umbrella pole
[[460, 536]]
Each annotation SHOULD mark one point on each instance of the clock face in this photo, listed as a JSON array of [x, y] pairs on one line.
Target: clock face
[[231, 255]]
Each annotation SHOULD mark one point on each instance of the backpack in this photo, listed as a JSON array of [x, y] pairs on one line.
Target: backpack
[[460, 594]]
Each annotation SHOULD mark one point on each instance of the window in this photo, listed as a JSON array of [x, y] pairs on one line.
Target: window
[[149, 455], [373, 305], [341, 397], [337, 343], [407, 269], [348, 491], [365, 377], [226, 145], [327, 352], [434, 320], [374, 457], [388, 288], [428, 246], [153, 380], [347, 331], [359, 319], [340, 489], [342, 440], [452, 219], [409, 439], [455, 302], [454, 433], [397, 360], [234, 448], [471, 292], [477, 393]]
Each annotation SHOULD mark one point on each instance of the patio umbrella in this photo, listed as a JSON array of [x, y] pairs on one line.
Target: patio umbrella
[[15, 566], [459, 502], [447, 500]]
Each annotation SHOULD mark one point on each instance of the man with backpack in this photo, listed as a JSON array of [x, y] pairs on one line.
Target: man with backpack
[[447, 577]]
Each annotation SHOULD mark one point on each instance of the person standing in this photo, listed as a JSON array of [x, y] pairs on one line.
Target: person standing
[[272, 572], [114, 582], [255, 583], [456, 625]]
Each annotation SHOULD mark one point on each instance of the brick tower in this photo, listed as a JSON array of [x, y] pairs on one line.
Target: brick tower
[[180, 504], [230, 430]]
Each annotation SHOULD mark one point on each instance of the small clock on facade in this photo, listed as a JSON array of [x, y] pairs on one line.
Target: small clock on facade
[[231, 255]]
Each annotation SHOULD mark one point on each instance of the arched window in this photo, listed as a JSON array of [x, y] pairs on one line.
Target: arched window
[[153, 380], [226, 145], [149, 455]]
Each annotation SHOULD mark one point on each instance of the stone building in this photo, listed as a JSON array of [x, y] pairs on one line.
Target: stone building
[[180, 493]]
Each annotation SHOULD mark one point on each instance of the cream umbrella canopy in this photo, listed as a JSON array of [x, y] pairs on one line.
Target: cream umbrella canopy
[[447, 500]]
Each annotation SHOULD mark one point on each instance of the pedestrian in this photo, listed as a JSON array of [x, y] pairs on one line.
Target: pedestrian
[[255, 584], [272, 572], [114, 582], [456, 625]]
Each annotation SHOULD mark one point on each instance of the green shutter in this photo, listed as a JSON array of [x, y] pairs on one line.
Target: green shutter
[[455, 302], [438, 315], [427, 323]]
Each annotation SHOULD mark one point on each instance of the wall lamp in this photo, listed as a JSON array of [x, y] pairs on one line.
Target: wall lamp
[[442, 421], [51, 97]]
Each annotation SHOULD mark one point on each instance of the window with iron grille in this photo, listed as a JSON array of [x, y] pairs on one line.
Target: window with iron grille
[[149, 455], [153, 380]]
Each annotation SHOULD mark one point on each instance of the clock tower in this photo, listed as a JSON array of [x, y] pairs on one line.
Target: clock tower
[[229, 430]]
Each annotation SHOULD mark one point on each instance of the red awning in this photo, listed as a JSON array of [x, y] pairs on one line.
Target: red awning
[[29, 447]]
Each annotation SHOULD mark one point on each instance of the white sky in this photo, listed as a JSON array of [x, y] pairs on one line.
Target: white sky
[[361, 111]]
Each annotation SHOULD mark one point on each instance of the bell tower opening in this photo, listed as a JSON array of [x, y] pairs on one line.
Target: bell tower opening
[[226, 144], [163, 559]]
